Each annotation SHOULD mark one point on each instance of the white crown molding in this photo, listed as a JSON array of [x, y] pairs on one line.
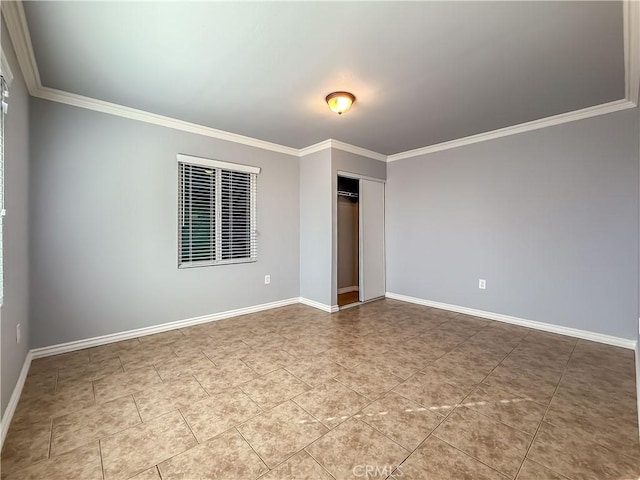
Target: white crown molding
[[16, 22], [588, 112], [316, 147], [546, 327], [15, 19], [7, 415], [631, 14], [363, 152], [338, 145]]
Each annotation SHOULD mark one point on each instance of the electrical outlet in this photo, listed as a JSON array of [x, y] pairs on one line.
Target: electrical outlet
[[482, 284], [18, 334], [267, 279]]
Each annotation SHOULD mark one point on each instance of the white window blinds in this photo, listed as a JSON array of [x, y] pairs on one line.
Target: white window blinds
[[216, 212], [4, 94]]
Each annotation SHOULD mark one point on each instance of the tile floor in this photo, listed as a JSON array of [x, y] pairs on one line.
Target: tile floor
[[383, 390]]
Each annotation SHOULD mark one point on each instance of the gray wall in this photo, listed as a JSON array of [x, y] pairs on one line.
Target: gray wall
[[15, 309], [348, 162], [549, 218], [315, 227], [104, 227]]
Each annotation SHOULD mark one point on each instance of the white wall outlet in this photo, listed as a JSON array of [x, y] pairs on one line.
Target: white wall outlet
[[18, 334], [482, 284], [267, 279]]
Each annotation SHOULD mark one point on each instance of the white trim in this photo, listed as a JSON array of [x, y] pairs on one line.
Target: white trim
[[7, 416], [316, 147], [631, 19], [16, 22], [338, 145], [206, 162], [140, 332], [588, 112], [357, 176], [353, 288], [318, 305], [5, 68], [547, 327], [363, 152]]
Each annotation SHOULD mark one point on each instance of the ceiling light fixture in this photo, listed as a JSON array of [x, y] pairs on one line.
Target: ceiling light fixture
[[340, 102]]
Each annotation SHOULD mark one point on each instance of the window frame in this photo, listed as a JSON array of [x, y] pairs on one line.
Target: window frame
[[219, 166]]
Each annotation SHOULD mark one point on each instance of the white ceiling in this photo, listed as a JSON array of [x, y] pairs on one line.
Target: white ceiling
[[423, 73]]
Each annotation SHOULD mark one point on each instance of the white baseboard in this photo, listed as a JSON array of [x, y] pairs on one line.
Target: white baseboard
[[547, 327], [321, 306], [7, 416], [353, 288], [140, 332]]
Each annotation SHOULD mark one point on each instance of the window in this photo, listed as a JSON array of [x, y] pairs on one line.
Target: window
[[4, 94], [216, 212]]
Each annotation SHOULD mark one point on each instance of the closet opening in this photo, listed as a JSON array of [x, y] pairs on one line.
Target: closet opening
[[348, 241]]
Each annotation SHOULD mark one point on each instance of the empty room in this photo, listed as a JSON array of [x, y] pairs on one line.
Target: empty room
[[319, 240]]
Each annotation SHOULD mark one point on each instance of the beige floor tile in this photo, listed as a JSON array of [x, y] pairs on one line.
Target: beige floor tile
[[315, 369], [25, 447], [121, 384], [354, 449], [80, 464], [222, 351], [274, 388], [180, 366], [164, 338], [88, 371], [145, 355], [522, 383], [39, 408], [266, 361], [299, 467], [226, 457], [112, 350], [138, 448], [170, 395], [64, 360], [495, 444], [226, 374], [534, 471], [369, 380], [37, 384], [400, 419], [82, 427], [331, 402], [576, 457], [438, 460], [151, 474], [431, 392], [609, 429], [280, 432], [212, 416], [517, 411]]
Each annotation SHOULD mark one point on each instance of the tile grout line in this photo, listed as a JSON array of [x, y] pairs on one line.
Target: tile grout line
[[533, 439], [190, 429], [235, 427], [101, 460]]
